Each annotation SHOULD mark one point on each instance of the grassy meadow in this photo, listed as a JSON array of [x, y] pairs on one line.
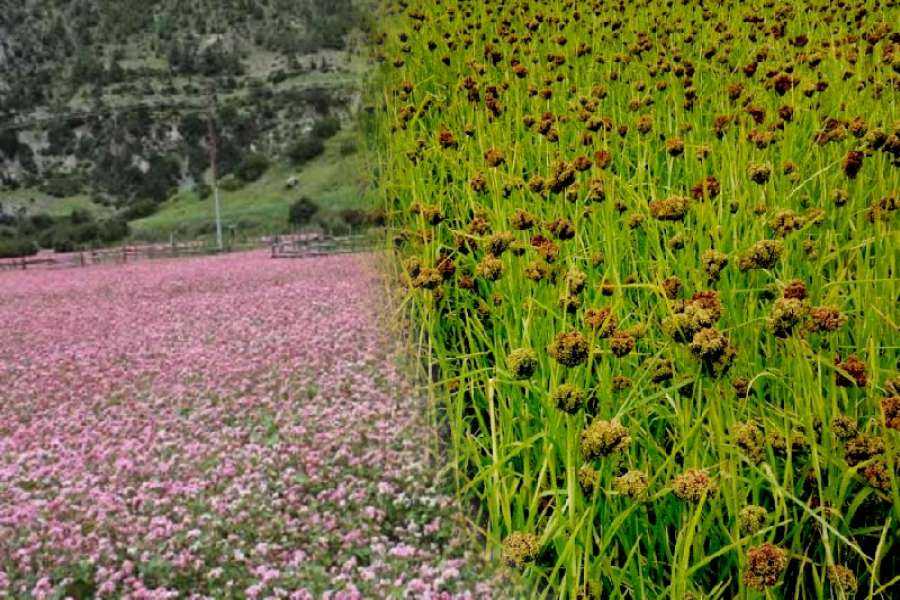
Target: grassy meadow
[[651, 256], [333, 180]]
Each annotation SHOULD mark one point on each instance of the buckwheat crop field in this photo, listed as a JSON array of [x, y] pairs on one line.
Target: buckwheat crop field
[[228, 427], [652, 249]]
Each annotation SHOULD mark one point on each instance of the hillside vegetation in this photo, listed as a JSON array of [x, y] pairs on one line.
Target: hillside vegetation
[[110, 101], [652, 250]]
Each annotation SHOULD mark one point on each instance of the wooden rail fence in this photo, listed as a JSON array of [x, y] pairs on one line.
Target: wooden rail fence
[[291, 246], [304, 246]]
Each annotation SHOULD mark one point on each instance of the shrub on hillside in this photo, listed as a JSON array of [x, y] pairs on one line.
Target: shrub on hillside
[[17, 248], [62, 186], [41, 221], [140, 209], [231, 183], [302, 211], [112, 230], [326, 128], [354, 217], [80, 216], [253, 167], [306, 149]]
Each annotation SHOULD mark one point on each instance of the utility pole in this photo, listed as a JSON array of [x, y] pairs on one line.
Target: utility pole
[[213, 153]]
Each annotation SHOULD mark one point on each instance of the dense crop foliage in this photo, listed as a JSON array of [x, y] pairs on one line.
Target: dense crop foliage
[[652, 248]]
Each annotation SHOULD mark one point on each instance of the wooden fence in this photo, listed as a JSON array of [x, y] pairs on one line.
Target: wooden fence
[[291, 246], [120, 255], [304, 246]]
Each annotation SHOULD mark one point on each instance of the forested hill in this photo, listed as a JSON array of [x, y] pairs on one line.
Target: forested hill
[[108, 98]]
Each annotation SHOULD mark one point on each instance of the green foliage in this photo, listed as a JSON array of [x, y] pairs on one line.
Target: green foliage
[[231, 183], [17, 247], [326, 128], [302, 212], [63, 186], [253, 167], [140, 209], [306, 149]]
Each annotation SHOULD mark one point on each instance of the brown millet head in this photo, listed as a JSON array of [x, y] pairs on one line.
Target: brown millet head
[[741, 386], [522, 220], [562, 229], [576, 279], [892, 386], [490, 268], [548, 250], [709, 301], [568, 398], [752, 518], [692, 484], [562, 176], [499, 242], [588, 478], [675, 146], [854, 368], [478, 183], [602, 320], [852, 163], [520, 548], [785, 221], [661, 369], [862, 447], [569, 302], [765, 564], [671, 286], [843, 579], [446, 139], [522, 363], [708, 187], [602, 438], [428, 279], [569, 349], [446, 267], [713, 262], [878, 475], [412, 266], [759, 172], [621, 343], [632, 483], [890, 411], [708, 344], [537, 270], [494, 157], [786, 314], [621, 382], [844, 428], [761, 255], [749, 437], [795, 289], [673, 208], [824, 319]]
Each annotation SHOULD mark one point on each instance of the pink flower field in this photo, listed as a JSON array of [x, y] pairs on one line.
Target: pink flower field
[[231, 426]]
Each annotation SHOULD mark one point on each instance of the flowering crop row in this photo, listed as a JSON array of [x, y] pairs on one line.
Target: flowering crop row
[[216, 427]]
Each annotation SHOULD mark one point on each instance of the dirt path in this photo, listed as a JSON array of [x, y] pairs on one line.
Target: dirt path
[[219, 427]]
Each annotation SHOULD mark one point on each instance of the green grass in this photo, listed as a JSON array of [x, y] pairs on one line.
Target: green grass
[[332, 180], [514, 453], [35, 201]]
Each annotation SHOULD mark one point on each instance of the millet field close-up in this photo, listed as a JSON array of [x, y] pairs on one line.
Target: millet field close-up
[[449, 300], [651, 254]]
